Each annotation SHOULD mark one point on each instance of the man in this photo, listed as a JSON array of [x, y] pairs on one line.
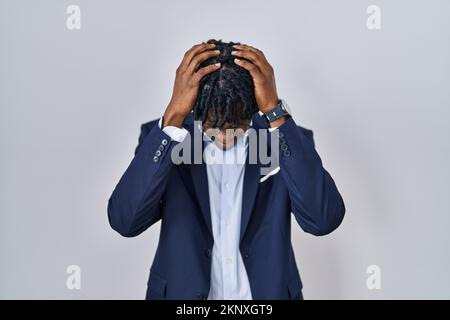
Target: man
[[225, 228]]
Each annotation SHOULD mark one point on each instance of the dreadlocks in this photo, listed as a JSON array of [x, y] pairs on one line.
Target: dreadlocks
[[228, 92]]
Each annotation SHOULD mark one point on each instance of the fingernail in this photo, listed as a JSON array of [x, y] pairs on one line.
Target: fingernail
[[237, 60], [233, 52], [217, 64]]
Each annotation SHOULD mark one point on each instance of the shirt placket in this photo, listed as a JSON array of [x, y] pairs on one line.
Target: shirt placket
[[229, 277]]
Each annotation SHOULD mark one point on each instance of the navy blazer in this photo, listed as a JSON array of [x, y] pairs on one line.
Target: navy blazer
[[153, 188]]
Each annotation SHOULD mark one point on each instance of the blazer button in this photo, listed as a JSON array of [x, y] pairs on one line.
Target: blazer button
[[155, 159], [280, 134], [161, 147], [284, 147], [164, 142], [286, 153], [158, 153], [208, 253]]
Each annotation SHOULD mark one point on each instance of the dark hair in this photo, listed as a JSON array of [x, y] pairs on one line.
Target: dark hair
[[228, 92]]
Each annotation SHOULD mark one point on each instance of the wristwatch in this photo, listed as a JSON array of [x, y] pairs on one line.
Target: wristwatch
[[277, 112]]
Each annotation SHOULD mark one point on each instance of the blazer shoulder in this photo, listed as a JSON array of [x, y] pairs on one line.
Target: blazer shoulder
[[146, 127], [307, 132]]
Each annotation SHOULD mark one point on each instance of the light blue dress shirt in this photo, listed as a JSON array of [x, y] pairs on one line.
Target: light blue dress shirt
[[225, 171]]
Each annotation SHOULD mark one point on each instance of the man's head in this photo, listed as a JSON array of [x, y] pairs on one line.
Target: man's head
[[226, 98]]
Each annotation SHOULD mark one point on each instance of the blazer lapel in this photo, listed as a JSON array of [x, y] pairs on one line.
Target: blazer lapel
[[200, 177], [251, 178], [250, 190]]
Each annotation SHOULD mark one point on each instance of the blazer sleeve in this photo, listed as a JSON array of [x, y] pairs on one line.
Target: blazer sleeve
[[135, 203], [315, 200]]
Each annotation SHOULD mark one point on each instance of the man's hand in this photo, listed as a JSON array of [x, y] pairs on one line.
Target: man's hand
[[263, 78], [187, 82], [262, 74]]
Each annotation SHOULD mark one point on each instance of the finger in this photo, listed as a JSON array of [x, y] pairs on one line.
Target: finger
[[199, 58], [250, 67], [206, 70], [247, 47], [262, 62], [190, 54], [253, 57]]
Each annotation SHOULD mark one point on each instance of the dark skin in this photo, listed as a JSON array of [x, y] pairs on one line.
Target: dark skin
[[187, 83]]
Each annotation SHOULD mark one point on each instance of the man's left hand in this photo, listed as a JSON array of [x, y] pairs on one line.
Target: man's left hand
[[262, 74]]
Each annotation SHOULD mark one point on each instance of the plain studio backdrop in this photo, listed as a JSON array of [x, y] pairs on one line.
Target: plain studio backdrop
[[72, 102]]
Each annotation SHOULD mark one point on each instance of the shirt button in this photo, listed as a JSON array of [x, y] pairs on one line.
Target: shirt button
[[228, 260], [227, 222], [227, 185], [164, 142]]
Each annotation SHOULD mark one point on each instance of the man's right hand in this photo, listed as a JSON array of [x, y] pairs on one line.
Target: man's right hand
[[187, 82]]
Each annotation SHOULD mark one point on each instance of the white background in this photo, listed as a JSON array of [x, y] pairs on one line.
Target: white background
[[72, 103]]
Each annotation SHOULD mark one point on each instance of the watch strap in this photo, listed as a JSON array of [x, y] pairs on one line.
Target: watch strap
[[277, 112]]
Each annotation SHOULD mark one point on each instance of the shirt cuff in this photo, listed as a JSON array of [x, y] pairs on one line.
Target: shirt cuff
[[175, 133]]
